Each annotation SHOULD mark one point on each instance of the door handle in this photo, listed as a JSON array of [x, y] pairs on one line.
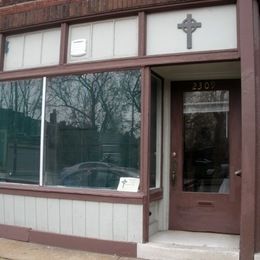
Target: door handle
[[238, 173], [174, 170], [173, 176]]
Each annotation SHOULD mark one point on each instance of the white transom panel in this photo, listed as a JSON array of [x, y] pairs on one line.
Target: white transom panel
[[218, 30], [32, 49], [102, 40]]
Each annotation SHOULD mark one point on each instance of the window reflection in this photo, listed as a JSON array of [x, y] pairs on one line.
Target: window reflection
[[20, 121], [206, 143], [92, 129]]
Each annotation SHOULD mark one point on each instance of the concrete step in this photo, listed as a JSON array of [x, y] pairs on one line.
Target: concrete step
[[179, 245]]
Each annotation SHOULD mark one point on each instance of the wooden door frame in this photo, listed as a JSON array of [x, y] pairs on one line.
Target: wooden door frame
[[234, 154]]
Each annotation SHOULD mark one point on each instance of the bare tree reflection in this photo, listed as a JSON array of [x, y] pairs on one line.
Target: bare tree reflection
[[93, 117], [20, 109]]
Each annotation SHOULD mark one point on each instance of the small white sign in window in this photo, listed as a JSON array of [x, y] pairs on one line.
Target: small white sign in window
[[78, 47], [128, 184]]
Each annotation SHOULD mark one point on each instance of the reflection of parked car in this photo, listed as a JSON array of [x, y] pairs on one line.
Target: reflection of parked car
[[95, 175]]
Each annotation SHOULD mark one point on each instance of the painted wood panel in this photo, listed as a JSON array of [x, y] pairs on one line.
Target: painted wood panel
[[42, 214], [30, 212], [79, 217], [108, 221], [53, 215], [134, 224], [9, 209], [120, 218], [66, 217], [92, 219], [2, 219], [19, 211]]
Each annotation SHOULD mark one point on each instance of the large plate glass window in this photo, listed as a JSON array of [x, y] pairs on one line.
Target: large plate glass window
[[20, 123], [92, 129]]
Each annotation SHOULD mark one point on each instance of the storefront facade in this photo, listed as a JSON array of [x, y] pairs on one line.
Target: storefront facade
[[122, 119]]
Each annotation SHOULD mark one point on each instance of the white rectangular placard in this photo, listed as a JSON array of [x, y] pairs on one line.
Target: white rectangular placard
[[128, 184], [78, 47]]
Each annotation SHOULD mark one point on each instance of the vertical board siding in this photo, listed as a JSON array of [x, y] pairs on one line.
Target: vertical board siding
[[30, 212], [79, 216], [2, 218], [19, 211], [41, 214], [66, 217], [107, 221], [9, 209], [92, 219], [53, 215], [135, 226], [120, 218]]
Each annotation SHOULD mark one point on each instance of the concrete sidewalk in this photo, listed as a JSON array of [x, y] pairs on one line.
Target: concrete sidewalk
[[16, 250]]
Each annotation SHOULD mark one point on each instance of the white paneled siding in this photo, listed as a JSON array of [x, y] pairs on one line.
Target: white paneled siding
[[79, 218], [92, 221], [53, 215], [108, 221], [42, 214], [153, 218], [19, 210], [30, 212], [120, 222], [2, 218], [66, 217], [9, 209], [34, 49], [218, 30], [109, 39]]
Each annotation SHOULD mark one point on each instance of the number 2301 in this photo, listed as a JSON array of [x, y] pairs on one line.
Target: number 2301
[[203, 85]]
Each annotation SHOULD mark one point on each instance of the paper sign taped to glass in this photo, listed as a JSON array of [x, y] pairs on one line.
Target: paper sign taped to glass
[[128, 184]]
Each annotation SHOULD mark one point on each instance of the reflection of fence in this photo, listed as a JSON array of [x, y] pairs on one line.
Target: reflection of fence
[[27, 161]]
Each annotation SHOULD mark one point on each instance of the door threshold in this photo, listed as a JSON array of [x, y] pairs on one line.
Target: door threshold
[[180, 245]]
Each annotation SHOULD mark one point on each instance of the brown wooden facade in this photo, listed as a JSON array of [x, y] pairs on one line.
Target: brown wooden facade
[[23, 16]]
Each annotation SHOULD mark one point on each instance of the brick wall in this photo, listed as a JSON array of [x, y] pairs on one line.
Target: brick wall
[[17, 13]]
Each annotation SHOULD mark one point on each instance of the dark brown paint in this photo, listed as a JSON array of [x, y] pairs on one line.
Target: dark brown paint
[[127, 249], [87, 244], [38, 13], [196, 211], [64, 43], [119, 64], [257, 55], [248, 105], [73, 194], [141, 34], [16, 233], [145, 147], [2, 41]]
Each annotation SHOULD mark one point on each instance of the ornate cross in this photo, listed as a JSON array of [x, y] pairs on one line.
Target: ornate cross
[[189, 25]]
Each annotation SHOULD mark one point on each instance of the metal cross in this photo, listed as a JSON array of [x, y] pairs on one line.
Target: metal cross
[[189, 25], [124, 182]]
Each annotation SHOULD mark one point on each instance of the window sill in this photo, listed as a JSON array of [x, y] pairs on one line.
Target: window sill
[[156, 194], [110, 196]]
